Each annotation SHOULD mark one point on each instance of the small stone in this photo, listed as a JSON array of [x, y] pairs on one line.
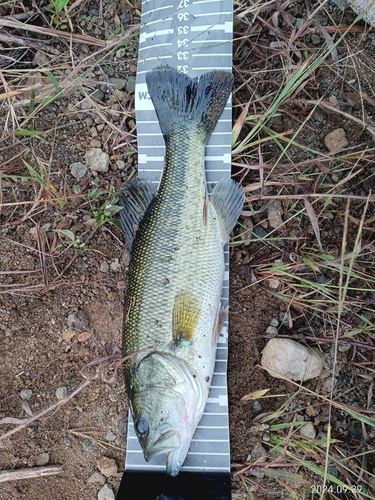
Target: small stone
[[78, 320], [96, 477], [110, 436], [364, 6], [316, 40], [120, 164], [107, 466], [118, 83], [67, 441], [274, 322], [86, 104], [274, 213], [97, 160], [78, 170], [273, 283], [61, 392], [34, 233], [122, 426], [271, 330], [33, 443], [115, 265], [289, 359], [26, 394], [336, 140], [95, 143], [311, 411], [130, 85], [246, 231], [104, 267], [88, 445], [257, 453], [82, 337], [121, 285], [120, 53], [106, 493], [333, 99], [42, 459], [257, 407], [68, 335], [307, 430]]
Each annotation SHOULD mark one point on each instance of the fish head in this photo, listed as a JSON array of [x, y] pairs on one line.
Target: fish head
[[167, 401]]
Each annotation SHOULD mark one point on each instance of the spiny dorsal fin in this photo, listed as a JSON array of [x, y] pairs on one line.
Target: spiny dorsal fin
[[136, 198], [185, 317], [227, 198]]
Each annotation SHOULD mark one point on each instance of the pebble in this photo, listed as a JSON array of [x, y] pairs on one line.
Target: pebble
[[104, 267], [274, 322], [107, 466], [115, 265], [61, 392], [274, 213], [26, 394], [33, 443], [95, 143], [88, 445], [82, 337], [42, 459], [78, 170], [96, 477], [257, 407], [257, 453], [291, 360], [336, 140], [67, 441], [97, 160], [78, 320], [271, 330], [361, 6], [111, 436], [118, 83], [106, 493], [307, 430], [122, 426], [67, 335], [273, 283]]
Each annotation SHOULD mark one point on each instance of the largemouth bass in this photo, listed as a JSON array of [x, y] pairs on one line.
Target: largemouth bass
[[177, 237]]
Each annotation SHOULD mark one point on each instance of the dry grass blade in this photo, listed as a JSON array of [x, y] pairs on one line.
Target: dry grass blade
[[314, 221], [31, 473]]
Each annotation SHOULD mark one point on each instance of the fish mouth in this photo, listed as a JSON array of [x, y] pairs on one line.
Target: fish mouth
[[168, 443]]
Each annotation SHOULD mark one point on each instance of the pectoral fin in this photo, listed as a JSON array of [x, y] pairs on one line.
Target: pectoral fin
[[228, 199], [185, 317]]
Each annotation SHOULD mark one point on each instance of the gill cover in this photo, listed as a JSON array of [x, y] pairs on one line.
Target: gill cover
[[168, 400]]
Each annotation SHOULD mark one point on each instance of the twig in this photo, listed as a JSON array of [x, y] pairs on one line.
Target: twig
[[16, 474]]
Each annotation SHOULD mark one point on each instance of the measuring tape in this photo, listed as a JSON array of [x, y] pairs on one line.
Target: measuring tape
[[193, 36]]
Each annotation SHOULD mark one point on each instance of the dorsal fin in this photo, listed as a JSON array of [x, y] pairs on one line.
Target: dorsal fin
[[227, 198], [136, 198]]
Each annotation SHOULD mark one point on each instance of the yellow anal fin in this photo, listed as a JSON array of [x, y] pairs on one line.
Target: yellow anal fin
[[186, 311]]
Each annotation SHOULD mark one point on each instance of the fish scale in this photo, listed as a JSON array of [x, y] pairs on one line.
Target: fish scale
[[172, 305]]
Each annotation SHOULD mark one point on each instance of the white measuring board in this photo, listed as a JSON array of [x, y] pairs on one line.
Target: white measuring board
[[193, 36]]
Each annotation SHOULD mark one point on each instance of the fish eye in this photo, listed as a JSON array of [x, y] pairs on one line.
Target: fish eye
[[141, 426]]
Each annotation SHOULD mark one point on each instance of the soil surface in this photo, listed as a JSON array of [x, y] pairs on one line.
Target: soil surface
[[63, 266]]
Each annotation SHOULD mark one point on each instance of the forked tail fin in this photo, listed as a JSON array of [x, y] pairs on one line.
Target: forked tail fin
[[181, 101]]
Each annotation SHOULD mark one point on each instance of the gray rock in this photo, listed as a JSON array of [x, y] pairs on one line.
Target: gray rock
[[271, 330], [42, 459], [96, 477], [106, 493], [130, 84], [307, 430], [97, 160], [118, 83], [274, 213], [78, 170], [78, 320], [61, 392], [26, 394], [104, 267], [291, 360]]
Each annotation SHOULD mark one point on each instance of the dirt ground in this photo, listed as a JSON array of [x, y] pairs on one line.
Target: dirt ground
[[62, 274]]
